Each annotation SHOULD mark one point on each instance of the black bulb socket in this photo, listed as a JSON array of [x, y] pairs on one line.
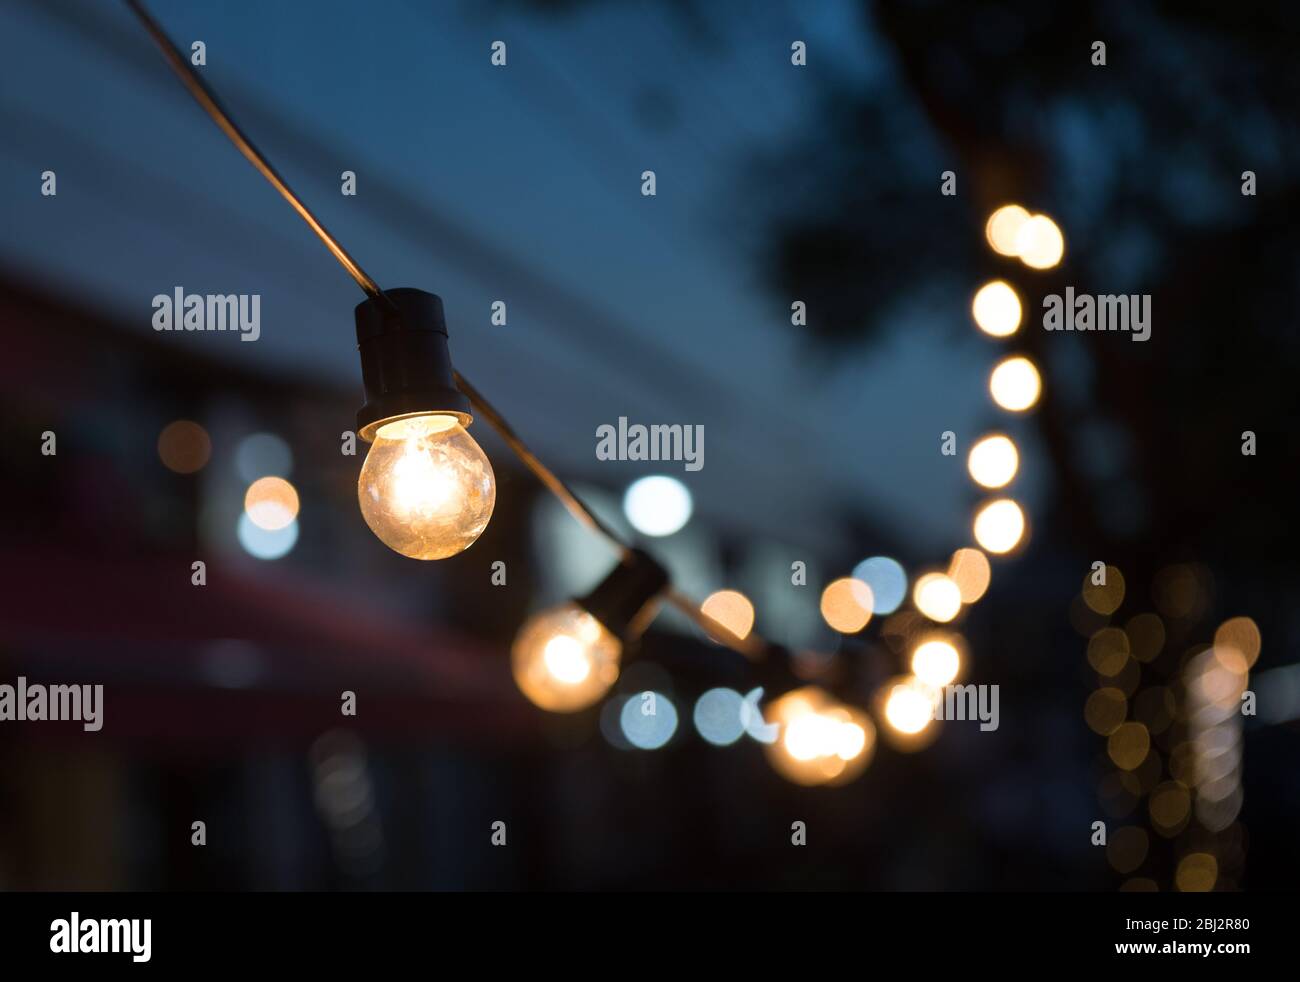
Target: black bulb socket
[[405, 365], [624, 601]]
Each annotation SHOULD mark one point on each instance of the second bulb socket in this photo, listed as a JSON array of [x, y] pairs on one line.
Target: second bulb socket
[[624, 600]]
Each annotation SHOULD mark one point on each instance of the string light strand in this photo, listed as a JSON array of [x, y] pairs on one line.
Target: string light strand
[[751, 646]]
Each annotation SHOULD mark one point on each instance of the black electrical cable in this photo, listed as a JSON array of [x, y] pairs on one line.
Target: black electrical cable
[[750, 646], [208, 100]]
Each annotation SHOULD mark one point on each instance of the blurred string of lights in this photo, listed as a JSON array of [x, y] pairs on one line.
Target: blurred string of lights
[[427, 490], [1176, 745], [1173, 741]]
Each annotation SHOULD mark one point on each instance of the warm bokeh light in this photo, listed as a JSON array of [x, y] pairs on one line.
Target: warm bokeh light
[[907, 706], [1128, 745], [1108, 651], [1170, 806], [657, 505], [1197, 873], [969, 569], [1039, 242], [937, 597], [936, 662], [1104, 598], [1105, 710], [1215, 680], [1240, 635], [732, 610], [1146, 636], [993, 461], [1002, 228], [271, 503], [846, 605], [184, 447], [426, 489], [564, 659], [1015, 384], [996, 309], [999, 526], [822, 741]]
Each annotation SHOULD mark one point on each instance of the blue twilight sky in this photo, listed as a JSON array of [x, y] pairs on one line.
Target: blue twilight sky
[[519, 183]]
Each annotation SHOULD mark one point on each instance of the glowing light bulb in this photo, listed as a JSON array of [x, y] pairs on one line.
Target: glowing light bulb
[[996, 309], [846, 605], [426, 489], [909, 710], [564, 659], [271, 503], [969, 569], [999, 526], [1015, 384], [908, 706], [732, 610], [1002, 228], [821, 740], [937, 596], [1039, 243], [993, 461], [935, 663]]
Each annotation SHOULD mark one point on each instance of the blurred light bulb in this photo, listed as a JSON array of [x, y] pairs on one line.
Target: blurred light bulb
[[999, 526], [996, 309], [1003, 226], [1039, 242], [1015, 384], [969, 569], [821, 741], [993, 461], [271, 503], [426, 489], [564, 659], [937, 597], [846, 605], [909, 707], [657, 505], [936, 662], [732, 610]]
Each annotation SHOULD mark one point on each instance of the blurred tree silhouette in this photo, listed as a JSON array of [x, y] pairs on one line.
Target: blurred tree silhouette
[[1141, 162]]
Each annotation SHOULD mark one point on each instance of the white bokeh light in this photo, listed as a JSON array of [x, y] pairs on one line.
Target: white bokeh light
[[887, 580], [644, 729], [657, 505], [266, 543], [720, 716]]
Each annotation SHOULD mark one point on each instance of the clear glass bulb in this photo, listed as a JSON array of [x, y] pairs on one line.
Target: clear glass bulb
[[564, 659], [426, 489]]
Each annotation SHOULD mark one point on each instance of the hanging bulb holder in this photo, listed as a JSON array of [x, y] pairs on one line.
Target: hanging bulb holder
[[624, 600], [405, 364]]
